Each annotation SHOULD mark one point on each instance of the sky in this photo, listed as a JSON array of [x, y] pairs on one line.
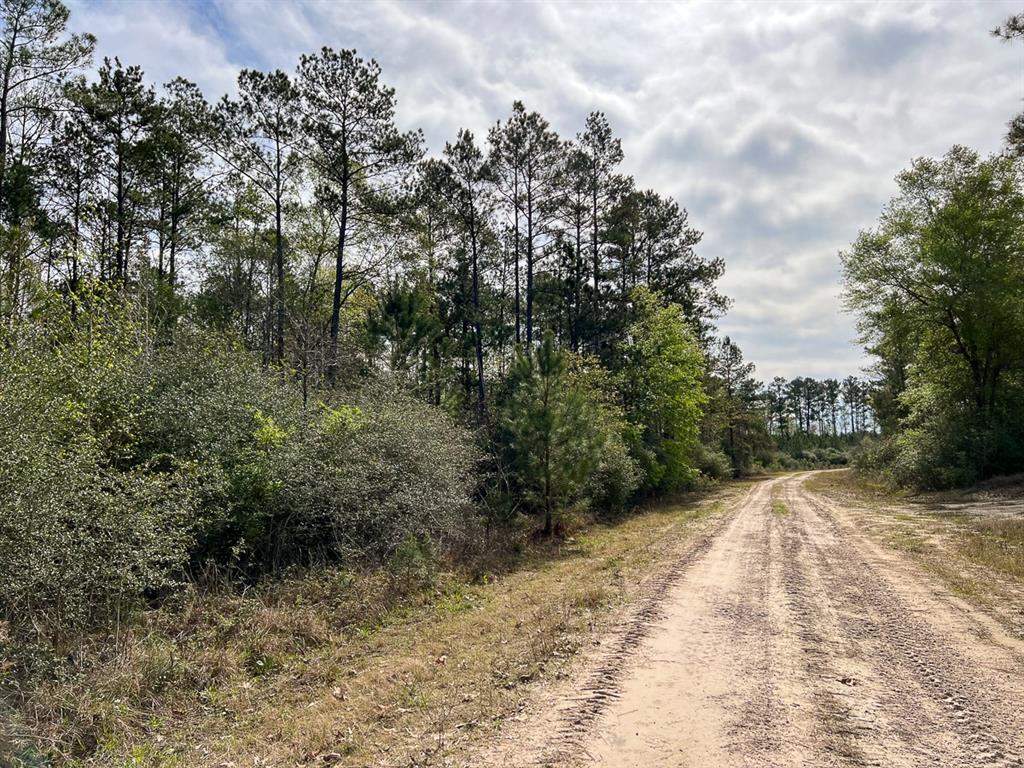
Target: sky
[[779, 127]]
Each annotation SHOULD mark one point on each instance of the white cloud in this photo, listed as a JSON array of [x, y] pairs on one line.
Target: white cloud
[[780, 127]]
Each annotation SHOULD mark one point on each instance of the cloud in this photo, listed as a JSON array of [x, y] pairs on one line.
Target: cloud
[[779, 127], [166, 38]]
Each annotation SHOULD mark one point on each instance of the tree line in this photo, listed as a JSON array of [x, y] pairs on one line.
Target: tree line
[[291, 201], [273, 329]]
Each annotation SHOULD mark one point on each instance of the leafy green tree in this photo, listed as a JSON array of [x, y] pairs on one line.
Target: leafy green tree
[[892, 340], [661, 371], [948, 252], [945, 268]]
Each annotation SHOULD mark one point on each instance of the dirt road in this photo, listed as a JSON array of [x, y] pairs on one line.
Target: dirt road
[[790, 638]]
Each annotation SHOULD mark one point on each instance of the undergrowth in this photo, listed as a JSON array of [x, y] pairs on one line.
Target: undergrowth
[[344, 666]]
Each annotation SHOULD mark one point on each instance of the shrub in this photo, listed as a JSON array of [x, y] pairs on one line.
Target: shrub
[[363, 477], [616, 478], [712, 463], [125, 460], [86, 530], [413, 565]]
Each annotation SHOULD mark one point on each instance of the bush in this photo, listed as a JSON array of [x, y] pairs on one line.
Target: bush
[[125, 461], [940, 445], [413, 565], [712, 463], [86, 529], [363, 477], [617, 477]]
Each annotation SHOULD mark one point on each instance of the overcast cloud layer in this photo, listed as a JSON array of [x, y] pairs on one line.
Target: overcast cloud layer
[[779, 127]]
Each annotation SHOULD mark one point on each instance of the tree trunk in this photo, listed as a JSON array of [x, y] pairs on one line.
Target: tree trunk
[[595, 299], [339, 271], [121, 257], [549, 527], [515, 237], [529, 265], [577, 279], [5, 97], [477, 334], [173, 267], [279, 287]]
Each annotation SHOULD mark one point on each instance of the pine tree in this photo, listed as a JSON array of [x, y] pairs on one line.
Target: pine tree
[[350, 117], [603, 154], [259, 136], [119, 116], [526, 157], [183, 130], [553, 435], [472, 203], [34, 62]]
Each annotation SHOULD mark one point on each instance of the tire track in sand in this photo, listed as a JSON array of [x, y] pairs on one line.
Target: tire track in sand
[[788, 638]]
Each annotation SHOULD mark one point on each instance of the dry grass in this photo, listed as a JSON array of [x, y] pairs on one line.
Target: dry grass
[[996, 544], [851, 482], [348, 669], [970, 552]]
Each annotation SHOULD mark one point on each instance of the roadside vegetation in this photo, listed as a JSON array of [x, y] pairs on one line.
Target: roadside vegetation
[[972, 539], [276, 377], [405, 665]]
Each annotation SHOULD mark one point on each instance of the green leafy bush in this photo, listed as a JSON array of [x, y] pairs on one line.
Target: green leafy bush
[[712, 463], [126, 461], [87, 528], [364, 476]]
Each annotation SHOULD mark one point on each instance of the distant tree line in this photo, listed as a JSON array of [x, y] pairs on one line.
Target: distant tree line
[[781, 423], [807, 406]]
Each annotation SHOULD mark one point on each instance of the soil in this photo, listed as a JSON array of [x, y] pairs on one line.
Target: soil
[[788, 636]]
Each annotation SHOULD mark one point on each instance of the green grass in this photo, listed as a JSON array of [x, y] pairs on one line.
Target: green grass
[[906, 541], [995, 544]]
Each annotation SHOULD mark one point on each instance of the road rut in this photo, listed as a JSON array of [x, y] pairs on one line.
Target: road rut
[[790, 638]]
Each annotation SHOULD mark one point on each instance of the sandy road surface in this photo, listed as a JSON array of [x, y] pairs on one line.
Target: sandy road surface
[[789, 638]]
